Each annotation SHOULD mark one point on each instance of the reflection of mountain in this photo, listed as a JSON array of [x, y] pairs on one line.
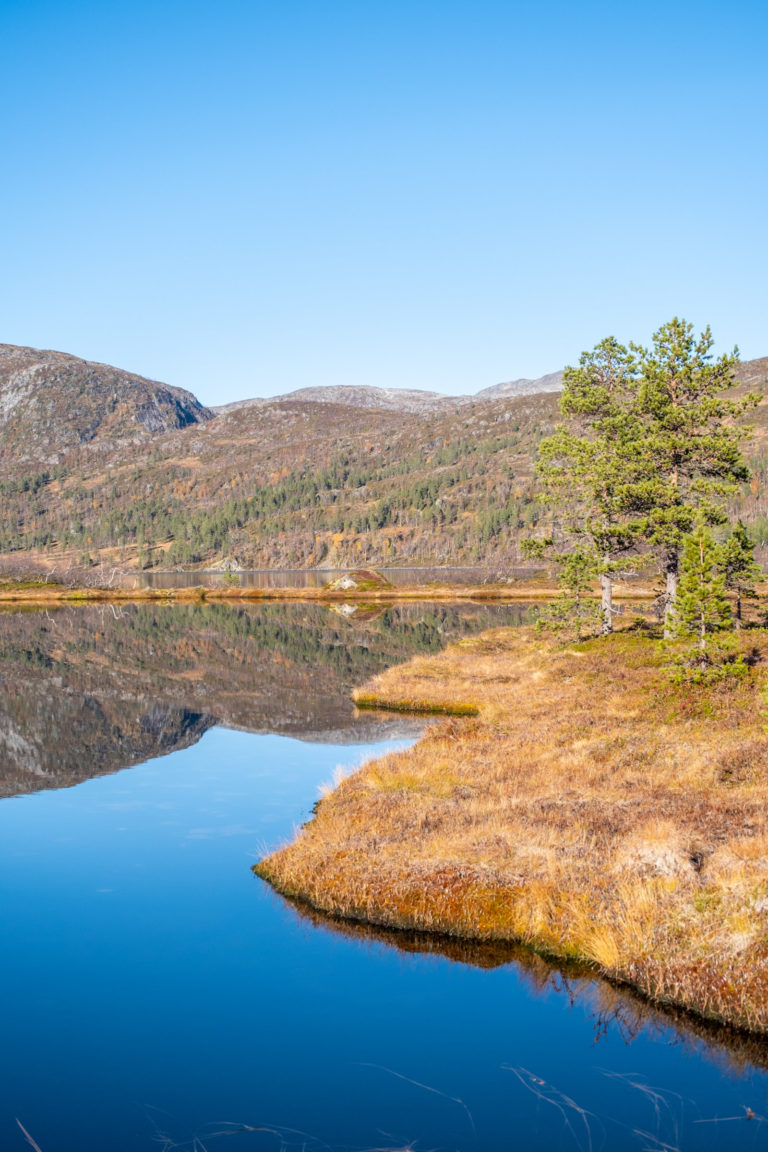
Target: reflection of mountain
[[88, 690], [607, 1005]]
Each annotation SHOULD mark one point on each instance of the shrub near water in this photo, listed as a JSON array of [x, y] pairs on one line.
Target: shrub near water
[[592, 809]]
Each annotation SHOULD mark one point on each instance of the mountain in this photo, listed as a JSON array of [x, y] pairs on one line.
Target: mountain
[[403, 399], [388, 399], [345, 479], [553, 382], [52, 403]]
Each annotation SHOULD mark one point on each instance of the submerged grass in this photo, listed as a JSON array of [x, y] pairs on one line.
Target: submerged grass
[[590, 809]]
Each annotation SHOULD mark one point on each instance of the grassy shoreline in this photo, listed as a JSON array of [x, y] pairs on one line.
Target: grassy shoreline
[[590, 810], [33, 592], [610, 1000]]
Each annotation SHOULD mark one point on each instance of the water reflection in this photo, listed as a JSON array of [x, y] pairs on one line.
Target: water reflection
[[609, 1007], [159, 997], [86, 691]]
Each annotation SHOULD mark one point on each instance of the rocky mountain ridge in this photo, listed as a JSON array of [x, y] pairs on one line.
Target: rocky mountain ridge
[[52, 403], [414, 400]]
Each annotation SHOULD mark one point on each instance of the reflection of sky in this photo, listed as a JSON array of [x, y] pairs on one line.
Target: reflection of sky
[[149, 976]]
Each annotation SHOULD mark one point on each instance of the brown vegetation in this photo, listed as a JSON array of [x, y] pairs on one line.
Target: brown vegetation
[[592, 809], [90, 474]]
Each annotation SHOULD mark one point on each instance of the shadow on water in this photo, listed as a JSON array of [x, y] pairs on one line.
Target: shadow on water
[[607, 1005]]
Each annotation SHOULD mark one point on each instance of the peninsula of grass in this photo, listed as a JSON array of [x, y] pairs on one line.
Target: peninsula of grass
[[592, 809]]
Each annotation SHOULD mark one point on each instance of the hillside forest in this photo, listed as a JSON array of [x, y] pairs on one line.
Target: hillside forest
[[98, 467]]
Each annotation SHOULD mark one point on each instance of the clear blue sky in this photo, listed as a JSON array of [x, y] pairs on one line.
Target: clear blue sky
[[243, 197]]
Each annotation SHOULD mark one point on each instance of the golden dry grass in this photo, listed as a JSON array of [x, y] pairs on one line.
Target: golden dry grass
[[590, 810]]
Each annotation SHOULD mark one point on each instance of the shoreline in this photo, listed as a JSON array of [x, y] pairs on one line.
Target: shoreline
[[587, 811], [740, 1045], [501, 593]]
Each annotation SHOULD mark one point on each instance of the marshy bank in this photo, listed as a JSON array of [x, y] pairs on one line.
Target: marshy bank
[[591, 809]]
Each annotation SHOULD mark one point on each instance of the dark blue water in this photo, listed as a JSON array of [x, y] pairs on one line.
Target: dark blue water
[[157, 995]]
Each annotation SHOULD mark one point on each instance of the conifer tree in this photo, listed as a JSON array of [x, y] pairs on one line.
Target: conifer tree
[[574, 610], [588, 466], [651, 446], [689, 454], [702, 601], [739, 567]]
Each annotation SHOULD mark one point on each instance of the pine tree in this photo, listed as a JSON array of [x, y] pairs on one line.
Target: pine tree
[[739, 567], [702, 601], [588, 466], [574, 611], [689, 454], [651, 446]]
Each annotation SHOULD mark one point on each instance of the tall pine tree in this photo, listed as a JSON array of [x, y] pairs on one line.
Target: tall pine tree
[[689, 454], [651, 446], [588, 466]]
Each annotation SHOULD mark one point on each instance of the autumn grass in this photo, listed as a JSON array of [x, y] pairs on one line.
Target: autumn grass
[[591, 809]]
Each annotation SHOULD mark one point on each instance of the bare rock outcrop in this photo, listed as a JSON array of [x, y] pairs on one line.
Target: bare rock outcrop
[[52, 403]]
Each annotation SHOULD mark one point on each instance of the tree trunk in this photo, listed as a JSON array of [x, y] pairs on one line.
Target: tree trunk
[[606, 588], [738, 606], [671, 571]]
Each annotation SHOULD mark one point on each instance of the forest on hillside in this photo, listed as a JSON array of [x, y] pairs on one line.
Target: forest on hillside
[[302, 484]]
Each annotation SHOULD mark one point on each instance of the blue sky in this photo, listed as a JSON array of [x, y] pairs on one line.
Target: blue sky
[[247, 197]]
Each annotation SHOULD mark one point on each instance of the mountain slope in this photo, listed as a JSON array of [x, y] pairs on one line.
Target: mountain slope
[[52, 403], [297, 483], [553, 382], [388, 399]]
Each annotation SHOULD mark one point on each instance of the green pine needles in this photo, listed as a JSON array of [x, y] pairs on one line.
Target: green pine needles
[[649, 453], [705, 618], [739, 568], [702, 609]]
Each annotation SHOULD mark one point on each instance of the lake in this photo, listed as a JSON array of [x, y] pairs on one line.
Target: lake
[[158, 995]]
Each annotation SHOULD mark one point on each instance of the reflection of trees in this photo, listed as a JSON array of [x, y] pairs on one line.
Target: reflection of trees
[[87, 690], [146, 634], [608, 1006]]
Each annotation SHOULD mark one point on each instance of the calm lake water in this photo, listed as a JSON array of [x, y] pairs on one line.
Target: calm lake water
[[157, 995]]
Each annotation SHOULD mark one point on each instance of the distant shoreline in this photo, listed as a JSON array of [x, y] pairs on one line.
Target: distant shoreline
[[43, 593]]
